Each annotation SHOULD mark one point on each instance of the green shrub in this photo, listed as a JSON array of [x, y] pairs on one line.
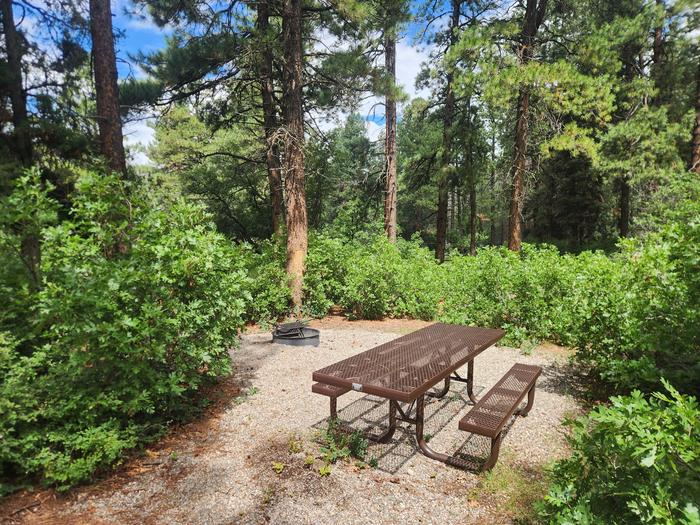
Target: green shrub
[[138, 306], [636, 461], [326, 270], [267, 283]]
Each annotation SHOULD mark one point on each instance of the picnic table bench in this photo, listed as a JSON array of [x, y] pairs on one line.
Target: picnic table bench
[[406, 369]]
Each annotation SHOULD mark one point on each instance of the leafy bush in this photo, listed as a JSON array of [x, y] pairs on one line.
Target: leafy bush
[[636, 461], [267, 283], [632, 317], [138, 306]]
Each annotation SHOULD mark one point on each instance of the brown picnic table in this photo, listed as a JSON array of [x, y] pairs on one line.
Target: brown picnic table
[[406, 369]]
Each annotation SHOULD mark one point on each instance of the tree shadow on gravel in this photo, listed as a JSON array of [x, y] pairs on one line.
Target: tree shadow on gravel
[[370, 415], [564, 379]]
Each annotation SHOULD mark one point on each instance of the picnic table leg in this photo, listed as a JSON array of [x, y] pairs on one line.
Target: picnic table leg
[[442, 393], [389, 432], [530, 401], [470, 381], [420, 438]]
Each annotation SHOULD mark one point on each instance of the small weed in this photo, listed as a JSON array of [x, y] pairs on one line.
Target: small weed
[[427, 437], [308, 461], [278, 467], [373, 462], [338, 444], [173, 456], [294, 445], [268, 494], [324, 470], [245, 395]]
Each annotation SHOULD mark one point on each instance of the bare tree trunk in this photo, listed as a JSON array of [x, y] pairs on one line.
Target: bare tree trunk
[[472, 213], [31, 248], [492, 187], [18, 100], [534, 15], [447, 121], [106, 89], [295, 194], [390, 138], [624, 219], [695, 154], [658, 57], [267, 88]]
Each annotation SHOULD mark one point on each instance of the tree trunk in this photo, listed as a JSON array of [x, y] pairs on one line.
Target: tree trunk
[[492, 187], [390, 138], [106, 88], [267, 88], [30, 250], [295, 194], [18, 100], [472, 207], [447, 121], [472, 213], [695, 154], [658, 57], [624, 219], [534, 14]]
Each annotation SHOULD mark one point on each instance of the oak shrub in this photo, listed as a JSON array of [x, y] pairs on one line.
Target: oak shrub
[[633, 316], [138, 307], [635, 461]]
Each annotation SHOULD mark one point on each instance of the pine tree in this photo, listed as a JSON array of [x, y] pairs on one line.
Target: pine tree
[[295, 191], [106, 87]]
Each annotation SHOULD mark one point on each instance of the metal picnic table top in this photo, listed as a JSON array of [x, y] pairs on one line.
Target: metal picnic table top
[[407, 367]]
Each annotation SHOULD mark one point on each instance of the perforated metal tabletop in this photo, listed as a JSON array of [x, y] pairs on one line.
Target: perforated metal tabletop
[[407, 367]]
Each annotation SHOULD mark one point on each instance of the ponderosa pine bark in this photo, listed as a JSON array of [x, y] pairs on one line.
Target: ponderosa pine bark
[[695, 154], [534, 15], [658, 56], [106, 89], [267, 88], [295, 194], [390, 190], [18, 99], [30, 248], [447, 121]]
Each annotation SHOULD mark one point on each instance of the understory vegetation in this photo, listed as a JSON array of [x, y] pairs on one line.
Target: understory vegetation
[[141, 301]]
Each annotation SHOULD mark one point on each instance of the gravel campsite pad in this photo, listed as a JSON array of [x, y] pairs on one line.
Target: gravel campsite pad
[[250, 461]]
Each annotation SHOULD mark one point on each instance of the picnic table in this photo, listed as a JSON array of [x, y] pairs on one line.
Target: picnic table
[[406, 369]]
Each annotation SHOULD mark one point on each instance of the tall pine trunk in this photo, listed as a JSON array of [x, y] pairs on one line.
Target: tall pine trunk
[[471, 180], [30, 249], [695, 154], [658, 57], [534, 15], [295, 194], [447, 121], [390, 189], [492, 187], [267, 88], [18, 100], [106, 89]]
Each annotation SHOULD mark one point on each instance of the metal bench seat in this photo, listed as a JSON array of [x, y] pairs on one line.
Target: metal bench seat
[[332, 392], [494, 409]]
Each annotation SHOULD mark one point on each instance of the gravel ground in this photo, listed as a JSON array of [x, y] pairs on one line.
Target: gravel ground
[[221, 470]]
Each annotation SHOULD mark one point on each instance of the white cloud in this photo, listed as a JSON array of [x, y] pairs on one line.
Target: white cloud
[[138, 135], [374, 130], [408, 64]]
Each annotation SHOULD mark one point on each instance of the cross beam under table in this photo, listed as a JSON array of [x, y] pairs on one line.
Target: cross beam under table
[[469, 380]]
